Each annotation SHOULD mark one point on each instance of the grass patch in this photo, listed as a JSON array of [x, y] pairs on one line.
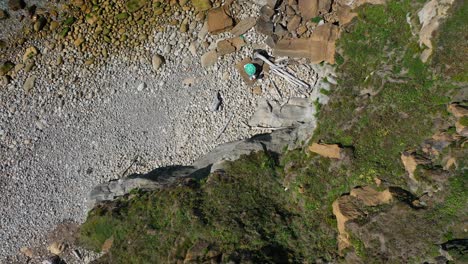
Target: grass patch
[[452, 44], [387, 98], [243, 214]]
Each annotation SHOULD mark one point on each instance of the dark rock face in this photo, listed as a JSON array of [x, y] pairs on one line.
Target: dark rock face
[[16, 5], [264, 27]]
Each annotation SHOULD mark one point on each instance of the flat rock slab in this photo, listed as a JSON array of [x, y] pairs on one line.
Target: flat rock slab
[[243, 26], [219, 21], [319, 47], [209, 58], [243, 74], [272, 115], [227, 46], [329, 151]]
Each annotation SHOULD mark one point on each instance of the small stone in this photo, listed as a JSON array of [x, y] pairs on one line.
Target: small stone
[[141, 86], [243, 26], [78, 42], [184, 27], [193, 49], [27, 252], [330, 151], [158, 11], [200, 16], [5, 80], [294, 23], [301, 30], [18, 67], [264, 27], [29, 83], [29, 66], [40, 24], [157, 61], [257, 90], [122, 16], [30, 53], [209, 58], [135, 5], [6, 67], [91, 18], [54, 25], [59, 61], [56, 248]]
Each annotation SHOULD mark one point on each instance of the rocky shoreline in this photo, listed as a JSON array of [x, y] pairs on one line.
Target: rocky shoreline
[[70, 120]]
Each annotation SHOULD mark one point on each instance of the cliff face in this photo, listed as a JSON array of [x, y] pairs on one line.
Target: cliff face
[[384, 179]]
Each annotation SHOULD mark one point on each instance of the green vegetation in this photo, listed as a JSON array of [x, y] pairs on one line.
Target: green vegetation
[[452, 44], [243, 213], [387, 98]]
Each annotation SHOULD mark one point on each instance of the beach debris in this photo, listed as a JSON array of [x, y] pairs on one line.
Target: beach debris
[[225, 126], [217, 102], [281, 71]]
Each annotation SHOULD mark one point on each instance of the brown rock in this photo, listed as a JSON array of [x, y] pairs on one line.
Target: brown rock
[[458, 110], [264, 27], [461, 129], [347, 208], [56, 248], [410, 164], [329, 151], [107, 245], [231, 45], [344, 14], [371, 197], [243, 26], [308, 8], [27, 252], [209, 58], [29, 83], [267, 12], [294, 23], [301, 30], [219, 20], [344, 210], [30, 53], [257, 90], [319, 47]]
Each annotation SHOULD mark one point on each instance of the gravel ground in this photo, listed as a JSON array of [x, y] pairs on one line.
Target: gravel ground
[[83, 125]]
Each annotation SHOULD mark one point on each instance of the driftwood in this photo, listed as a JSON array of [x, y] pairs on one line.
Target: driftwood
[[281, 71]]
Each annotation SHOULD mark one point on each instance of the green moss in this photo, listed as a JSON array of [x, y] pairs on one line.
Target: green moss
[[316, 19], [135, 5], [6, 67], [122, 16], [463, 121], [69, 21]]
